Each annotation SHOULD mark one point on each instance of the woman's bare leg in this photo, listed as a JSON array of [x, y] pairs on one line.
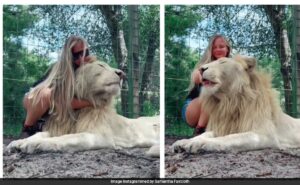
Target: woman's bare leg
[[203, 120], [195, 116], [35, 112], [192, 113]]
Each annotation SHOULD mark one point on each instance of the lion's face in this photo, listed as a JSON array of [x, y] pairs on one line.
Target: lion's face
[[225, 75], [98, 81]]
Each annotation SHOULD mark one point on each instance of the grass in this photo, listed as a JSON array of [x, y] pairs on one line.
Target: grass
[[179, 128], [12, 130], [176, 128]]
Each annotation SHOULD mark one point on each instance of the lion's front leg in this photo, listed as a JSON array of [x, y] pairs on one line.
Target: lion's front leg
[[233, 142], [18, 145], [240, 142], [68, 143]]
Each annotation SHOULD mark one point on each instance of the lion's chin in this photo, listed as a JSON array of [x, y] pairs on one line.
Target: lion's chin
[[114, 89], [210, 89]]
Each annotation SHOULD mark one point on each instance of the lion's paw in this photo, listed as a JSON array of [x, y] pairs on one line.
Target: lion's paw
[[39, 146], [179, 146], [194, 146], [33, 147], [15, 146], [204, 145], [26, 146]]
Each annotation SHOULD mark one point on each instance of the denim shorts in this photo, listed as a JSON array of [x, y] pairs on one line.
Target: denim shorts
[[183, 111]]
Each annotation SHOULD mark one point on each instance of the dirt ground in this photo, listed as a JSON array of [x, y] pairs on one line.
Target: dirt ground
[[103, 163], [266, 163], [132, 163]]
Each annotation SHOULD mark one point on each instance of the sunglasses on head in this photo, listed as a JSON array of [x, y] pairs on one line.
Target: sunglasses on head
[[79, 54]]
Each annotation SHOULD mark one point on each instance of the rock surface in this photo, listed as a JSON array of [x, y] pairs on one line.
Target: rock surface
[[267, 163], [102, 163]]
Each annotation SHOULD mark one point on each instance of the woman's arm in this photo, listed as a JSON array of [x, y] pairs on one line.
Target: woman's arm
[[79, 104], [196, 76]]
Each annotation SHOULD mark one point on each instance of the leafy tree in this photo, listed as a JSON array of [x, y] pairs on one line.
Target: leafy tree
[[21, 67], [180, 59], [121, 38], [277, 15], [149, 83]]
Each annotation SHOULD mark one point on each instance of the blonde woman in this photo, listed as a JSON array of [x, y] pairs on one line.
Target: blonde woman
[[55, 92], [192, 113]]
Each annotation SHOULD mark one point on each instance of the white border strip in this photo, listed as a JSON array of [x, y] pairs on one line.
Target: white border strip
[[162, 91]]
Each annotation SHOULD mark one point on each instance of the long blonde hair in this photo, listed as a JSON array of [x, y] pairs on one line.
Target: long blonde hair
[[207, 57], [61, 81]]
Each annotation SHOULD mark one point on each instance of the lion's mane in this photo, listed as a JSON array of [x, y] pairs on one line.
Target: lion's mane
[[250, 106], [85, 89]]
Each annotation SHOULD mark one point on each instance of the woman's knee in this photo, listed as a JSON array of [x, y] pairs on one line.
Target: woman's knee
[[194, 112], [192, 116], [44, 99], [45, 96], [26, 101]]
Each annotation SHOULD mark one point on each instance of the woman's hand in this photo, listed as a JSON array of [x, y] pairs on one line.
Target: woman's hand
[[196, 76]]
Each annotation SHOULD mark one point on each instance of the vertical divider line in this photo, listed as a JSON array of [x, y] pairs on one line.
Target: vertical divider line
[[162, 91]]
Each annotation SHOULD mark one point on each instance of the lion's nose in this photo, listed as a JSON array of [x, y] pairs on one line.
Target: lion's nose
[[202, 69], [121, 74]]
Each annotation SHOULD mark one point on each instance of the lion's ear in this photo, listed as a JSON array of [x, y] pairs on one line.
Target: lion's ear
[[250, 62]]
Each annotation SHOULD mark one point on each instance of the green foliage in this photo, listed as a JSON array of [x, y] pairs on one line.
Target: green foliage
[[179, 21], [272, 67], [58, 22], [17, 19], [21, 68], [179, 128], [149, 109], [180, 61], [177, 80]]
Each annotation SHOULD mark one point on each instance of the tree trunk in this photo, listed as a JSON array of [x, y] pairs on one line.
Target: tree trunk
[[276, 14], [153, 43], [111, 14], [297, 56], [134, 57]]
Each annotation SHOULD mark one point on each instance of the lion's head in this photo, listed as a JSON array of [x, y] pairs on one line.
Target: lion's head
[[226, 75], [97, 82], [237, 97]]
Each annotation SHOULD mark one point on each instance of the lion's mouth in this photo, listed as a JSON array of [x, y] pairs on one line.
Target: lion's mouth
[[113, 83], [207, 82]]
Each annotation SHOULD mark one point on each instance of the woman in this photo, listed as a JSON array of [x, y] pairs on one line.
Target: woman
[[55, 92], [192, 113]]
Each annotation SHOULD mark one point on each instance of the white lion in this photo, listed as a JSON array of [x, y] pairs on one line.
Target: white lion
[[244, 111], [98, 126]]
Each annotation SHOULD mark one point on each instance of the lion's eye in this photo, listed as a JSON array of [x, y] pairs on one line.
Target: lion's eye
[[98, 74], [222, 62]]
